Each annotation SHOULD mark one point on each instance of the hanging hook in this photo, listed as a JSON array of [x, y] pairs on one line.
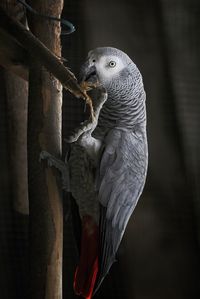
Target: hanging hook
[[70, 26]]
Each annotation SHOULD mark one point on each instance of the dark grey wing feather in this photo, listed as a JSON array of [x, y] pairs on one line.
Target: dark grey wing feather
[[121, 179]]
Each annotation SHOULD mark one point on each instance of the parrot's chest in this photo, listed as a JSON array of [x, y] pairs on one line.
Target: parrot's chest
[[83, 169]]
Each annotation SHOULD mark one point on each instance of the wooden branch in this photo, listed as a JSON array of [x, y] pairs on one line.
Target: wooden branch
[[44, 132], [41, 53], [44, 56]]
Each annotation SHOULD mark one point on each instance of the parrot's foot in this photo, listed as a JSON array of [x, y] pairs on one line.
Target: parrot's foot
[[84, 127], [98, 96], [60, 165], [89, 85]]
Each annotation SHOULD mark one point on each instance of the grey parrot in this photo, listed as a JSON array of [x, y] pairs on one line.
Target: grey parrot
[[107, 164]]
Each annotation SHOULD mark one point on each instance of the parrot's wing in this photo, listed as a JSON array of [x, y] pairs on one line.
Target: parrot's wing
[[121, 179]]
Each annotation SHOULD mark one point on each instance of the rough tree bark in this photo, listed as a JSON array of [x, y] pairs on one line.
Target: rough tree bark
[[44, 132]]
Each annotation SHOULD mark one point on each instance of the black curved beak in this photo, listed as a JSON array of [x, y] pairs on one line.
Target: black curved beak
[[88, 73]]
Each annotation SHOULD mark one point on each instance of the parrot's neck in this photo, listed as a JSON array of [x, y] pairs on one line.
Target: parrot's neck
[[125, 114]]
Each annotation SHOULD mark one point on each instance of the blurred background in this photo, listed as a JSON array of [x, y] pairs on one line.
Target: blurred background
[[159, 257]]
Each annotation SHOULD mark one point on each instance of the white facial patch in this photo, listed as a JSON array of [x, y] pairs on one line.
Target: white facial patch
[[108, 66]]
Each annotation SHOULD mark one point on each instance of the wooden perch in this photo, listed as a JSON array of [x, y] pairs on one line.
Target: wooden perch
[[44, 132], [43, 55]]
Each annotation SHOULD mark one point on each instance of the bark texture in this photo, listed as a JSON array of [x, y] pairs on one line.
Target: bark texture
[[44, 132]]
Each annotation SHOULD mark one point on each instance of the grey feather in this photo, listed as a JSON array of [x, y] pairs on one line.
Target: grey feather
[[123, 181], [123, 165]]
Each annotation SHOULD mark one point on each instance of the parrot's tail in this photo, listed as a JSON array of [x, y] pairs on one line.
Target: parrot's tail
[[86, 271]]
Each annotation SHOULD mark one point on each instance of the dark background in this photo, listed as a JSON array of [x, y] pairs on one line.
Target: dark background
[[159, 255]]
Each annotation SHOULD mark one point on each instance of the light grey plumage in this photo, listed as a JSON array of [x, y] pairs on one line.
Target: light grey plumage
[[108, 160]]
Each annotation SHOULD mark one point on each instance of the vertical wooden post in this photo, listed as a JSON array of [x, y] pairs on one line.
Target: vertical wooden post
[[44, 132], [17, 98]]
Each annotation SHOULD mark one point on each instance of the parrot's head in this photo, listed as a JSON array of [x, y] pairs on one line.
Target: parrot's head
[[113, 69]]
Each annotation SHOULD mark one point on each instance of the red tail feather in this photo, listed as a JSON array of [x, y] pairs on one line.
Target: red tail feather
[[86, 272]]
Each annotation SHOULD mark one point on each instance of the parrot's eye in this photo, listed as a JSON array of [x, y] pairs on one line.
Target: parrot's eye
[[112, 63]]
